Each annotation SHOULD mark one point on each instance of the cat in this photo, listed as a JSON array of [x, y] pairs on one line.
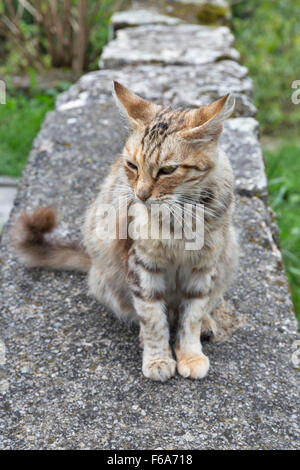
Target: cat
[[170, 157]]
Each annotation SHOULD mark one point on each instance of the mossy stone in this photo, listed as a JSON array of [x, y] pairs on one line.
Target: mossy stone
[[212, 14], [205, 12]]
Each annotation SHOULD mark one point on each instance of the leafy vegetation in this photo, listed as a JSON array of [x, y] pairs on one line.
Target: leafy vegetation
[[60, 33], [34, 38], [268, 37], [283, 174], [20, 119]]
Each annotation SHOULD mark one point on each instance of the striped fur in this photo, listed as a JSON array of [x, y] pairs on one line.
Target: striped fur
[[171, 157]]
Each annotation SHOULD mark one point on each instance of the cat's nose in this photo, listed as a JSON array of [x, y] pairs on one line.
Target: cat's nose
[[143, 195], [143, 189]]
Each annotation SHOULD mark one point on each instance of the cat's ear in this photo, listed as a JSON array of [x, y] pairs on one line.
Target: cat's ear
[[138, 110], [205, 124]]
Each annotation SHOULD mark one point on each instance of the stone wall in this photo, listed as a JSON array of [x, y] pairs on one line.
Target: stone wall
[[70, 373], [192, 11]]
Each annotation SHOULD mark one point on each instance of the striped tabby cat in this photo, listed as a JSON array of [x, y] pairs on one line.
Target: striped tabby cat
[[170, 157]]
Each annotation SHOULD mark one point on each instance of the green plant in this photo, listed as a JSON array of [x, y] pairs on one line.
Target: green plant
[[268, 37], [60, 33], [283, 171], [20, 120]]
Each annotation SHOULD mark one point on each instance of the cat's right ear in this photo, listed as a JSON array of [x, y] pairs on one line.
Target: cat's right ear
[[138, 110], [206, 123]]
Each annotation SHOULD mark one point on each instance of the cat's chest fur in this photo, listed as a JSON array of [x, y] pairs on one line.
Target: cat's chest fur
[[179, 270]]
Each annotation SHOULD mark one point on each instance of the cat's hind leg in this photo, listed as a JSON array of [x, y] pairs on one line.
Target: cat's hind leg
[[112, 293]]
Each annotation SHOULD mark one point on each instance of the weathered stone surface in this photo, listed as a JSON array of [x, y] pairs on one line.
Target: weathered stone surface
[[70, 374], [192, 11], [129, 18], [8, 191], [7, 195], [240, 141], [161, 44], [173, 86], [72, 377]]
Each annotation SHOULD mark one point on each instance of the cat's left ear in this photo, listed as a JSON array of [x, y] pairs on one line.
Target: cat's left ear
[[138, 110], [205, 124]]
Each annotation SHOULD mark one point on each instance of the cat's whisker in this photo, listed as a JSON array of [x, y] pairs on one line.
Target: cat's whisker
[[209, 210], [140, 280], [194, 216]]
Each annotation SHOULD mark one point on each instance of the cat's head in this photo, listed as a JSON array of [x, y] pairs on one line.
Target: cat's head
[[170, 152]]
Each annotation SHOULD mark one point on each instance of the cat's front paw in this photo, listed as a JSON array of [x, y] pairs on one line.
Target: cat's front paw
[[159, 369], [193, 366]]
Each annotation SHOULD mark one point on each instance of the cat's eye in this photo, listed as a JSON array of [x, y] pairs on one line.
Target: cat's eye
[[131, 165], [167, 170]]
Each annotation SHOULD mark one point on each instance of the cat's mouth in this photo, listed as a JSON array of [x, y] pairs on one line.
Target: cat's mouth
[[153, 201]]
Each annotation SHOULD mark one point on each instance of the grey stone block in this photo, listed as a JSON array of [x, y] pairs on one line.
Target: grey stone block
[[172, 86], [168, 45], [7, 195], [192, 11], [70, 373], [71, 376], [129, 18], [240, 141]]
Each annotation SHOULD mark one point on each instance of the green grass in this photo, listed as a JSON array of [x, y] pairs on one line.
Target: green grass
[[267, 35], [22, 115], [20, 120], [283, 170]]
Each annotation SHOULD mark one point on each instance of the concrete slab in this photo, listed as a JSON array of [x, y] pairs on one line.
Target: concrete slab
[[183, 44], [70, 374]]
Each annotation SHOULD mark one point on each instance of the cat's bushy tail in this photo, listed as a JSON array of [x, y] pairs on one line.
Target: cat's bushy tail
[[35, 248]]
